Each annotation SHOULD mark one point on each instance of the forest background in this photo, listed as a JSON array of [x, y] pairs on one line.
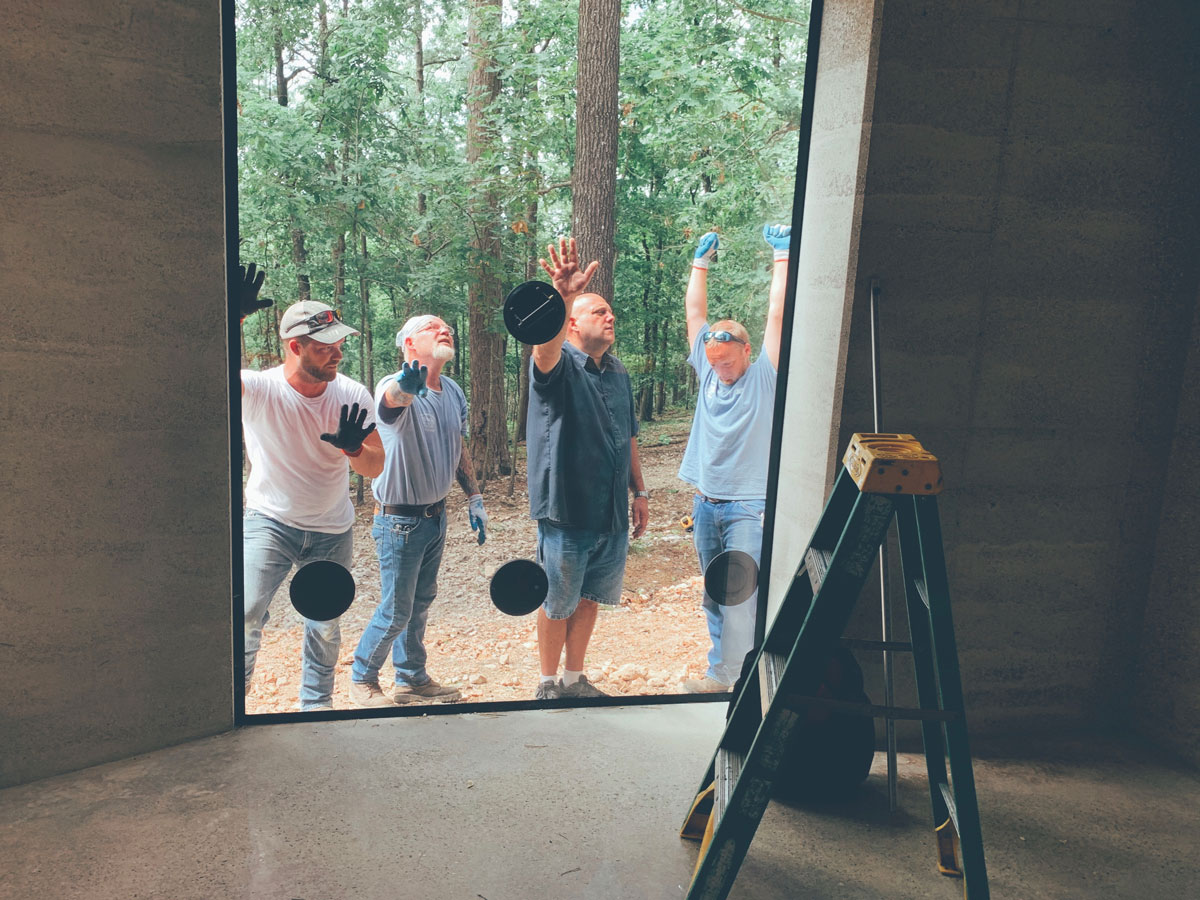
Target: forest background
[[400, 157]]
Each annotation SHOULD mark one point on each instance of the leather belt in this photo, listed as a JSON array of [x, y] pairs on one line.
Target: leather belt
[[712, 499], [428, 512]]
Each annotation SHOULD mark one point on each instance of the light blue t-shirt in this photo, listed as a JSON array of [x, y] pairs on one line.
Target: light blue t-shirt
[[422, 444], [730, 444]]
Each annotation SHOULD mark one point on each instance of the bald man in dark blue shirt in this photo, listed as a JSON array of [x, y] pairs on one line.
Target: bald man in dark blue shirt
[[583, 462]]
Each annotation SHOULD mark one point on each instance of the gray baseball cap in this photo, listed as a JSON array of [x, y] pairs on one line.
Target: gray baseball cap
[[315, 320]]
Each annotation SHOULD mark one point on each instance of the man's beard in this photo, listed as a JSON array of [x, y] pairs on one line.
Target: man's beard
[[318, 373], [442, 353]]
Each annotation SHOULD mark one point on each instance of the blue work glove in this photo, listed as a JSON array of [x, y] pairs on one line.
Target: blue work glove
[[412, 379], [780, 239], [706, 251], [477, 515]]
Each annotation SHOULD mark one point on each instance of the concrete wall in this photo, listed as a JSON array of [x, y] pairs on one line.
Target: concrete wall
[[1167, 686], [1029, 206], [114, 546], [1021, 181]]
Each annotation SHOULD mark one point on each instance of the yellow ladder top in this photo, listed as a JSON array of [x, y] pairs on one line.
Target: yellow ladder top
[[892, 464]]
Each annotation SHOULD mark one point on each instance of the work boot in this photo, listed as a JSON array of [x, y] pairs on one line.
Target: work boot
[[430, 690], [582, 688], [368, 695]]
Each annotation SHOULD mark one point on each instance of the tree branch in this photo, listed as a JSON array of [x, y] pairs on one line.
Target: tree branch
[[768, 17]]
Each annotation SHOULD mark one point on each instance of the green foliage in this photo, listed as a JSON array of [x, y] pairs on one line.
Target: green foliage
[[710, 105]]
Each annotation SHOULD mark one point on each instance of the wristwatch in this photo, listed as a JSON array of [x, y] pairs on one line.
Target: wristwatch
[[645, 494]]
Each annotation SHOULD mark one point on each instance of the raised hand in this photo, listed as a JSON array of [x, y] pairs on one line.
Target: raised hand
[[706, 251], [250, 283], [477, 516], [780, 239], [412, 379], [350, 434], [565, 273]]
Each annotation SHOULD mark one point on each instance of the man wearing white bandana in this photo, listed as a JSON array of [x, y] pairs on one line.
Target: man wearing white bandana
[[422, 418]]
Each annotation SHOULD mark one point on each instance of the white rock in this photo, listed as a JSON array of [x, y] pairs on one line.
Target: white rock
[[477, 678]]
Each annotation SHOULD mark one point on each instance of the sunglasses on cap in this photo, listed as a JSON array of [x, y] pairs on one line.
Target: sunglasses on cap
[[323, 319], [721, 337]]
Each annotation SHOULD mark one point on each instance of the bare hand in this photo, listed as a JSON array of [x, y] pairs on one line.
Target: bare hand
[[565, 274], [641, 515]]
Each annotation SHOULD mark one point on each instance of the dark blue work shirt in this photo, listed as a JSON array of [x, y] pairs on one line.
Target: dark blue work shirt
[[581, 422]]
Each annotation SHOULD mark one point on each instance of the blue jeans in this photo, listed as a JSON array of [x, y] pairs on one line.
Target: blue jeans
[[410, 553], [733, 525], [269, 551]]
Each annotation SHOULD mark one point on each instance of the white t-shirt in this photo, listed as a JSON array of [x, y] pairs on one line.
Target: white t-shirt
[[295, 477]]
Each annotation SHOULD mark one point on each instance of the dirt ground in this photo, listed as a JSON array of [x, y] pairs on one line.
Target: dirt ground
[[654, 639]]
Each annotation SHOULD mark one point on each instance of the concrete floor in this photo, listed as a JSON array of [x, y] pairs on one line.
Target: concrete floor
[[564, 804]]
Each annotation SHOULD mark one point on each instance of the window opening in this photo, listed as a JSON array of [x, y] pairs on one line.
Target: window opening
[[409, 163]]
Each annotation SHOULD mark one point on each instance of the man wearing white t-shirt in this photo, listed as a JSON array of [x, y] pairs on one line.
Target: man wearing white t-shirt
[[303, 421], [729, 445]]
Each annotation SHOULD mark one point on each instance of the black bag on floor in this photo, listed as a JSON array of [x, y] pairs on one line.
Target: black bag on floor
[[830, 754]]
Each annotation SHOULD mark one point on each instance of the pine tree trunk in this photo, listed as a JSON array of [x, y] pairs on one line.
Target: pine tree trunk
[[339, 270], [368, 333], [489, 418], [663, 348], [419, 66], [300, 260], [299, 254], [531, 273], [597, 115]]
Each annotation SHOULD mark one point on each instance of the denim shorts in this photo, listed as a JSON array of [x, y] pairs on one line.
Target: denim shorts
[[580, 563]]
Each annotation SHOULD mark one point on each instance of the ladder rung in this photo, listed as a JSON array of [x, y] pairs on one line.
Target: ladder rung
[[948, 796], [860, 644], [817, 562], [729, 767], [922, 591], [792, 701], [770, 671]]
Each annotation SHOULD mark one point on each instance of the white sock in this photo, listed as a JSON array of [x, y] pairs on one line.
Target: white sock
[[549, 679], [569, 677]]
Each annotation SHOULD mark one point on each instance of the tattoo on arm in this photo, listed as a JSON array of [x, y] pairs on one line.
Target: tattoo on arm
[[466, 472]]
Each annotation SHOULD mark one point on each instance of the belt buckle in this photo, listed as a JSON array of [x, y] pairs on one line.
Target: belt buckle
[[427, 511]]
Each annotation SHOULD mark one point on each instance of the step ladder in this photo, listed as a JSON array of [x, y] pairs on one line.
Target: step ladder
[[885, 476]]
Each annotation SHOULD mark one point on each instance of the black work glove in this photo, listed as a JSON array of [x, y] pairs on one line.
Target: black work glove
[[250, 283], [350, 434]]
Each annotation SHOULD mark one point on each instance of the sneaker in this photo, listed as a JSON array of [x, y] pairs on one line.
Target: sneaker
[[368, 695], [582, 688], [430, 690], [548, 690], [314, 707], [705, 685]]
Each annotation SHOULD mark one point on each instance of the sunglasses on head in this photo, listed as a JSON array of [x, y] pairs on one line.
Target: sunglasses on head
[[322, 319], [721, 337]]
